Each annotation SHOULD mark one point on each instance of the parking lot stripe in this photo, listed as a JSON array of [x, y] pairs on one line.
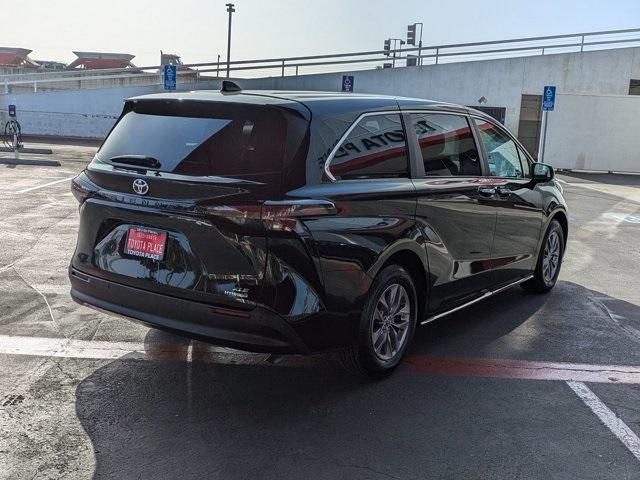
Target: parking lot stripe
[[66, 348], [522, 369], [106, 350], [606, 416], [45, 185]]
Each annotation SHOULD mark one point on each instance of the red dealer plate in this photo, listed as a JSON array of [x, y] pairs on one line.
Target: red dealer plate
[[142, 242]]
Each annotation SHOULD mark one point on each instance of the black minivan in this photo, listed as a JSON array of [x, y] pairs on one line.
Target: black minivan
[[300, 222]]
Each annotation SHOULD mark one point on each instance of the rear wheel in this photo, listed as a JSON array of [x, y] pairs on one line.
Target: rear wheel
[[549, 260], [387, 324]]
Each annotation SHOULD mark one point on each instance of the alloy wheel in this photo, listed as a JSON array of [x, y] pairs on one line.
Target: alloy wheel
[[551, 257], [391, 320]]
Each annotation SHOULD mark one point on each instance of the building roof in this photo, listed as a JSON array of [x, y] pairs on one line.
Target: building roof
[[16, 57], [102, 60]]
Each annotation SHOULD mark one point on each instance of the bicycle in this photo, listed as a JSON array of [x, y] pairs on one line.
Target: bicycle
[[12, 137]]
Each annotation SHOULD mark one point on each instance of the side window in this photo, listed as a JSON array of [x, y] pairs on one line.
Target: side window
[[375, 148], [524, 160], [502, 152], [447, 145]]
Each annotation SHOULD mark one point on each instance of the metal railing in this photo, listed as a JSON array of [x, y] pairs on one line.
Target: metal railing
[[429, 54], [436, 53]]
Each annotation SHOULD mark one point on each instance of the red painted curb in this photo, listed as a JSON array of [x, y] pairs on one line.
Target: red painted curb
[[522, 369]]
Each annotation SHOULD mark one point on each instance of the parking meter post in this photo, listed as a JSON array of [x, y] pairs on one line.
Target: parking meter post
[[548, 105]]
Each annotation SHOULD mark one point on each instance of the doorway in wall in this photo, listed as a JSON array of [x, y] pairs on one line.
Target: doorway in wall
[[530, 122]]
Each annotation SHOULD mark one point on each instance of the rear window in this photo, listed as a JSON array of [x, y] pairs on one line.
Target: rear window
[[235, 142]]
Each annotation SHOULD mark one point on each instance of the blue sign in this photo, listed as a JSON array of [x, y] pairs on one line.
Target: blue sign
[[347, 83], [549, 98], [170, 77]]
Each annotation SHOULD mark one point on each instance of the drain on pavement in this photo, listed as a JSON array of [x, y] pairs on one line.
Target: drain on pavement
[[11, 400]]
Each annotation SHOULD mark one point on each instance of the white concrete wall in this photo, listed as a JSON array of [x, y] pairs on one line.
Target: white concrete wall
[[90, 113], [594, 132], [502, 82], [87, 113]]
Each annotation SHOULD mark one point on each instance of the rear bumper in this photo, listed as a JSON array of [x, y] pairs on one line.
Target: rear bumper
[[257, 330]]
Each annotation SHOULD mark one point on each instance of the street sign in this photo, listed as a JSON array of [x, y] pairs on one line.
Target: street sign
[[170, 77], [548, 104], [347, 83], [548, 98]]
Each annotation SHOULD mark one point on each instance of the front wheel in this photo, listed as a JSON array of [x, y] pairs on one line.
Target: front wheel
[[387, 324], [549, 260]]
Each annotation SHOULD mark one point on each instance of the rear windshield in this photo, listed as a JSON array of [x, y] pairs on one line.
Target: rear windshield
[[235, 142]]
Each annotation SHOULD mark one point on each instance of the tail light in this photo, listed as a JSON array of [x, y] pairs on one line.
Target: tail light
[[237, 213], [277, 216], [82, 187], [283, 216]]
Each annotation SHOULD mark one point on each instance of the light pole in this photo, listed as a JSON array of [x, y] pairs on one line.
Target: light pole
[[230, 9], [395, 40], [420, 43]]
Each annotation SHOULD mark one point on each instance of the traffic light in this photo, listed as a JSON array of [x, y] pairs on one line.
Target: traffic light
[[411, 34], [387, 47]]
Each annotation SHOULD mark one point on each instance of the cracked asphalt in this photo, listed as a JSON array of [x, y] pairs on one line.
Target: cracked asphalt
[[87, 395]]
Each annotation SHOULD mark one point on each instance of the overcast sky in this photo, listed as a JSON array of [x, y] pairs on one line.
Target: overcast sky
[[196, 29]]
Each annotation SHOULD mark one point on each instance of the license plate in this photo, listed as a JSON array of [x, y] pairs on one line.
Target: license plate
[[146, 243]]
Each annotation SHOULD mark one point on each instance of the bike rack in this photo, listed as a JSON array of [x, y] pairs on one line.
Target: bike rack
[[12, 139]]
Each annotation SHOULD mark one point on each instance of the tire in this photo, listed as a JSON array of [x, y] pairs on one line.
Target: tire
[[376, 354], [549, 261]]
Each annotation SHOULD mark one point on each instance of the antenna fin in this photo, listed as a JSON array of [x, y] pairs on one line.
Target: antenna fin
[[228, 86]]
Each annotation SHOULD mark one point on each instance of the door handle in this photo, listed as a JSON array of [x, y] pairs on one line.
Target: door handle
[[487, 191]]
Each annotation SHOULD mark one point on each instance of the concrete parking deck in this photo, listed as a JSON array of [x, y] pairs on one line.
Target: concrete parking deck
[[520, 386]]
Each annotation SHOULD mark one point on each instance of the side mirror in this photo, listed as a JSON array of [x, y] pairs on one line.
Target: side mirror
[[541, 172]]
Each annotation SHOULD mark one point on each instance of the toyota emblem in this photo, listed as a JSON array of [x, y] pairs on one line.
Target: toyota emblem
[[140, 186]]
